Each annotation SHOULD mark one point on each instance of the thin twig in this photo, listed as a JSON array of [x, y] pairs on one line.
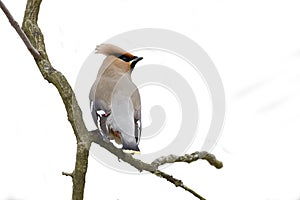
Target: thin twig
[[22, 35], [188, 158], [67, 174], [177, 183]]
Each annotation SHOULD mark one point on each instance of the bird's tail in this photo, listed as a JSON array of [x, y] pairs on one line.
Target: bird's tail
[[130, 148]]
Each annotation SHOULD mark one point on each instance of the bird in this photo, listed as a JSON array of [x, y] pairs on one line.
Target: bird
[[115, 101]]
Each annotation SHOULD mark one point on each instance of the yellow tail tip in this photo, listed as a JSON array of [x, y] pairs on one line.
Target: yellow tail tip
[[129, 151]]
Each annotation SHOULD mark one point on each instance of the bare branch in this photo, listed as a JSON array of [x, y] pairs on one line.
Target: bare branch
[[188, 158], [53, 76], [67, 174], [177, 183], [97, 138], [16, 26]]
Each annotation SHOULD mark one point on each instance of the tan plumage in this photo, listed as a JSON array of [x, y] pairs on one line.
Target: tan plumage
[[116, 98]]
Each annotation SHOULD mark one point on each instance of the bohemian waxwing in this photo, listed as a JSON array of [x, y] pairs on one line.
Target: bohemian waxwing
[[115, 99]]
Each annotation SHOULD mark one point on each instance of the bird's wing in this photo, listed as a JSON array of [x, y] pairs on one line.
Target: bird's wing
[[137, 114], [100, 108]]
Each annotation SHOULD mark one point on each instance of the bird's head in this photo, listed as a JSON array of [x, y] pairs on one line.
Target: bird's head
[[120, 57]]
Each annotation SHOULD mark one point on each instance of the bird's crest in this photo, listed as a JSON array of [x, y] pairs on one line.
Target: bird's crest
[[110, 49]]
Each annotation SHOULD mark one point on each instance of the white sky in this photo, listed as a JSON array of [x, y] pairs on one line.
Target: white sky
[[255, 46]]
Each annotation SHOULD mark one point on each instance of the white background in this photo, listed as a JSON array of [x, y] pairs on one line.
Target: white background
[[256, 48]]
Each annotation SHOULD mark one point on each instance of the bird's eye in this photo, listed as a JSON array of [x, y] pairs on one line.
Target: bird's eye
[[124, 58]]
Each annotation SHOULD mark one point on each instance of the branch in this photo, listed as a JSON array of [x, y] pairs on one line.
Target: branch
[[16, 26], [53, 76], [67, 174], [34, 40], [188, 158], [97, 138], [177, 183]]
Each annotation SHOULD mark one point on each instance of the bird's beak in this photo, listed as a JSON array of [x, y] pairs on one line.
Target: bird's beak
[[134, 61]]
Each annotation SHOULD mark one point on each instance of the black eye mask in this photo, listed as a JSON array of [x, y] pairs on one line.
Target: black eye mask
[[125, 58]]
